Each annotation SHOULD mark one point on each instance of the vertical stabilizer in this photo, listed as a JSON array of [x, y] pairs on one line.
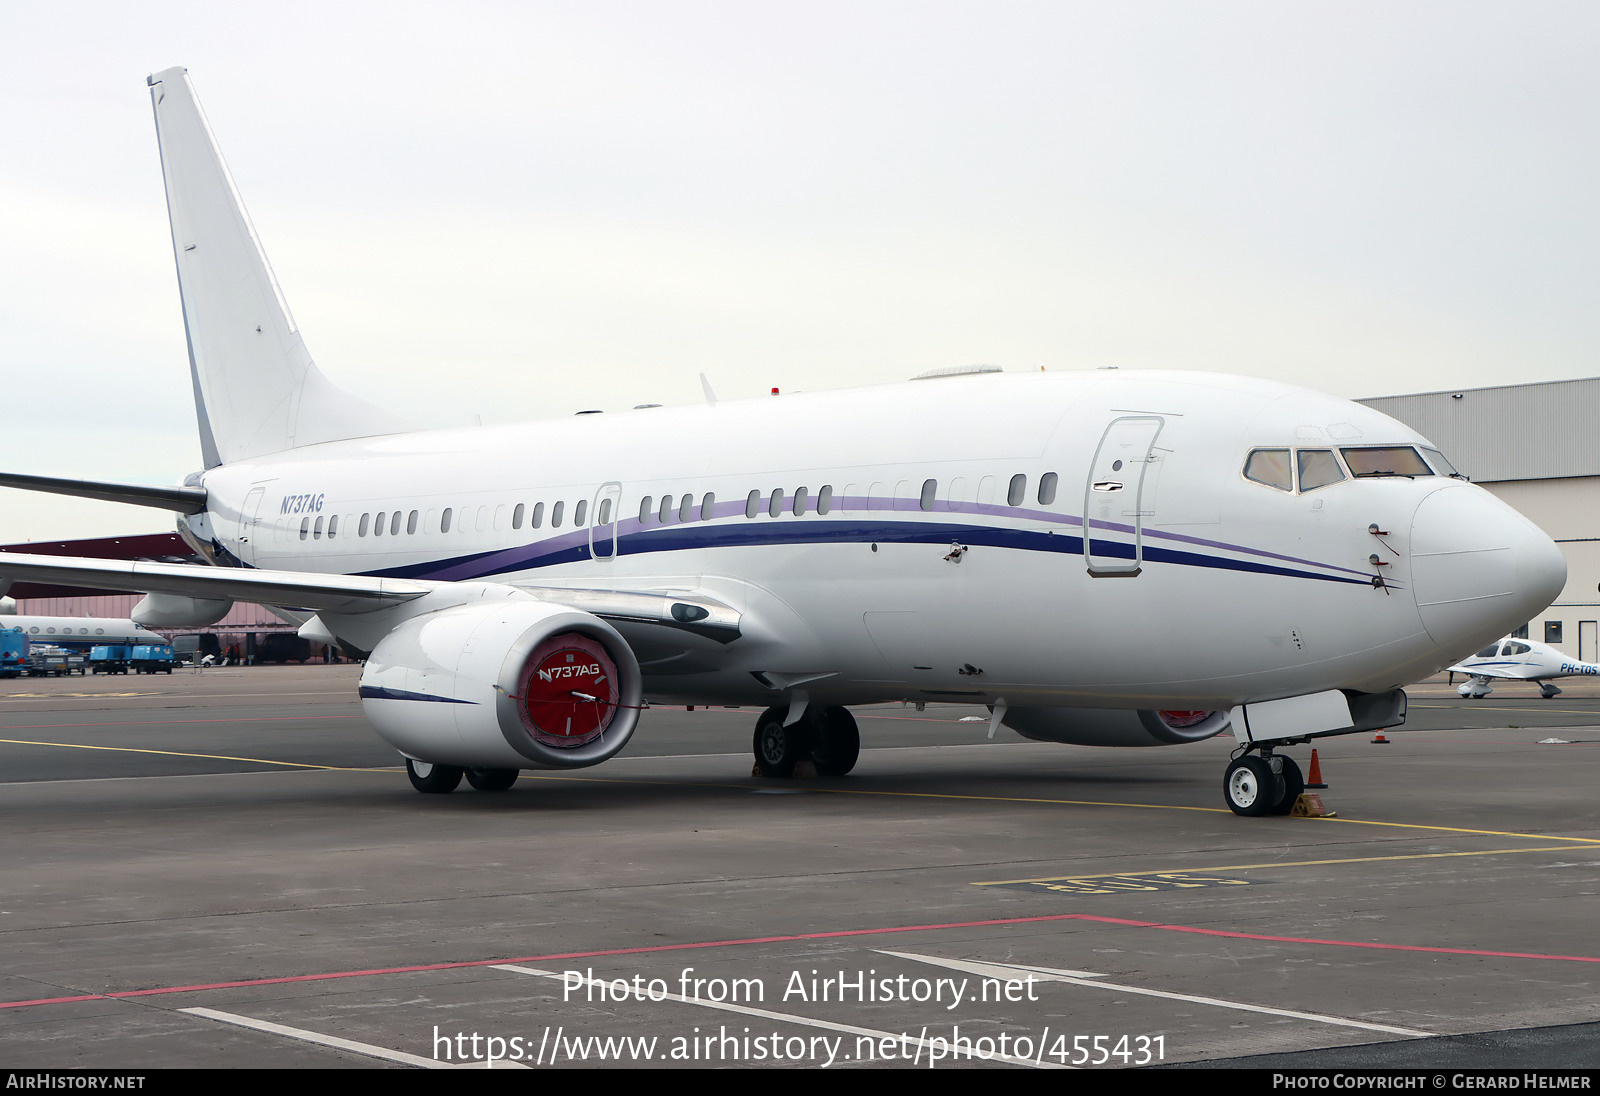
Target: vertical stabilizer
[[256, 389]]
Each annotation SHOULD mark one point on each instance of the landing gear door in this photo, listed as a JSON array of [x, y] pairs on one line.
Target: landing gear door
[[603, 530], [1113, 499]]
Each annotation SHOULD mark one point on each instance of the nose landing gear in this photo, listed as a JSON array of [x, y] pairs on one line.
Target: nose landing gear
[[1261, 785]]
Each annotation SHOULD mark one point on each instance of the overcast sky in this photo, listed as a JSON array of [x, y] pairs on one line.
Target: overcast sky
[[521, 210]]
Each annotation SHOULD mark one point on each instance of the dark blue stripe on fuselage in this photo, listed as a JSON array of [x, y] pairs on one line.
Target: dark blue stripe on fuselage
[[693, 536]]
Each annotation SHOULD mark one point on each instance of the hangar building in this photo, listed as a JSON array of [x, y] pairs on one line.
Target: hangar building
[[1537, 447]]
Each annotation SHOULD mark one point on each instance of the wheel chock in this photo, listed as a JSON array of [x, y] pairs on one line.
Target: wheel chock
[[1309, 805], [805, 769], [1315, 779]]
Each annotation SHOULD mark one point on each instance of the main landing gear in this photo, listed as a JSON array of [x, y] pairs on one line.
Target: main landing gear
[[1265, 784], [826, 737], [438, 779]]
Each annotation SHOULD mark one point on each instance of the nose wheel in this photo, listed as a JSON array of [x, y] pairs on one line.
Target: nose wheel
[[1261, 785]]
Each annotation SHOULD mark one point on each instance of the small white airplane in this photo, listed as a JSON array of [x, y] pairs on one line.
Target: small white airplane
[[1100, 558], [1514, 659]]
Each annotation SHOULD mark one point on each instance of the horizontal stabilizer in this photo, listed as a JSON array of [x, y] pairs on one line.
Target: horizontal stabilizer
[[180, 500], [335, 593]]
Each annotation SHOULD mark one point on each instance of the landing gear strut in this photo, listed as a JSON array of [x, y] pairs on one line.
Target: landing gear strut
[[1261, 785], [827, 737]]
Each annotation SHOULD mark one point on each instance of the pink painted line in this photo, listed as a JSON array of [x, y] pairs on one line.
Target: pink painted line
[[528, 959], [836, 934]]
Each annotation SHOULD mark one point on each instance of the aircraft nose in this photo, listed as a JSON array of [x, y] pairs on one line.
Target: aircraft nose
[[1479, 568]]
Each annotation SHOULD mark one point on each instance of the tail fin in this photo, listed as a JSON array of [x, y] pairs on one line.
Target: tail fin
[[256, 389]]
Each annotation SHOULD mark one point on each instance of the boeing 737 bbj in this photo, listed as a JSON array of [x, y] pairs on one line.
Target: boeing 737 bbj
[[1105, 558]]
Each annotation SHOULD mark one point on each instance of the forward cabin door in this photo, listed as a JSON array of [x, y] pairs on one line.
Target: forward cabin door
[[1114, 506]]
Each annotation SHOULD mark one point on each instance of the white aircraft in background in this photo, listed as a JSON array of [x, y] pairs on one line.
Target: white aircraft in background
[[1515, 659], [1105, 558], [79, 633]]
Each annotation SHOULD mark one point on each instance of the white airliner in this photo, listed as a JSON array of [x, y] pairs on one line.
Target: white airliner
[[1106, 558], [79, 633], [1517, 659]]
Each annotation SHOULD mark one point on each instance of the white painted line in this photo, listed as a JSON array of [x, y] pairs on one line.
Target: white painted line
[[337, 1043], [896, 1037], [1048, 974]]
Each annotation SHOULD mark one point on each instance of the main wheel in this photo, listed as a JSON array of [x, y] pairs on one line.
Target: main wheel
[[1251, 787], [777, 747], [835, 742], [1293, 784], [491, 780], [432, 778]]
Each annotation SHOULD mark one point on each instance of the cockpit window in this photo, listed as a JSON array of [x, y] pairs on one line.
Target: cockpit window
[[1441, 464], [1515, 648], [1490, 651], [1318, 468], [1389, 460], [1271, 467]]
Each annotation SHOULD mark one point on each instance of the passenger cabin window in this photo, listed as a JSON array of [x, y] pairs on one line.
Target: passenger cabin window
[[1318, 468], [604, 517], [394, 524], [644, 509], [378, 524], [580, 511], [1047, 488], [555, 515], [411, 523], [516, 515], [333, 526], [1271, 467], [361, 530], [930, 488], [825, 499], [752, 503], [316, 530], [538, 516], [664, 515], [686, 508], [1389, 460], [1017, 490], [799, 506], [708, 506], [305, 531], [775, 507], [444, 522]]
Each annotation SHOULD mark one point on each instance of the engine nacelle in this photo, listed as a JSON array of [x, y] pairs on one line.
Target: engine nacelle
[[1114, 726], [512, 684], [178, 611]]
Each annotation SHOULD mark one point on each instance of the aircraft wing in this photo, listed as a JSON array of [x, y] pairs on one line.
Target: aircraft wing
[[1510, 669], [649, 620], [333, 593]]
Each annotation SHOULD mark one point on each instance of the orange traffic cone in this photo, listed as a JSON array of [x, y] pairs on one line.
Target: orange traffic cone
[[1379, 740], [1315, 779]]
